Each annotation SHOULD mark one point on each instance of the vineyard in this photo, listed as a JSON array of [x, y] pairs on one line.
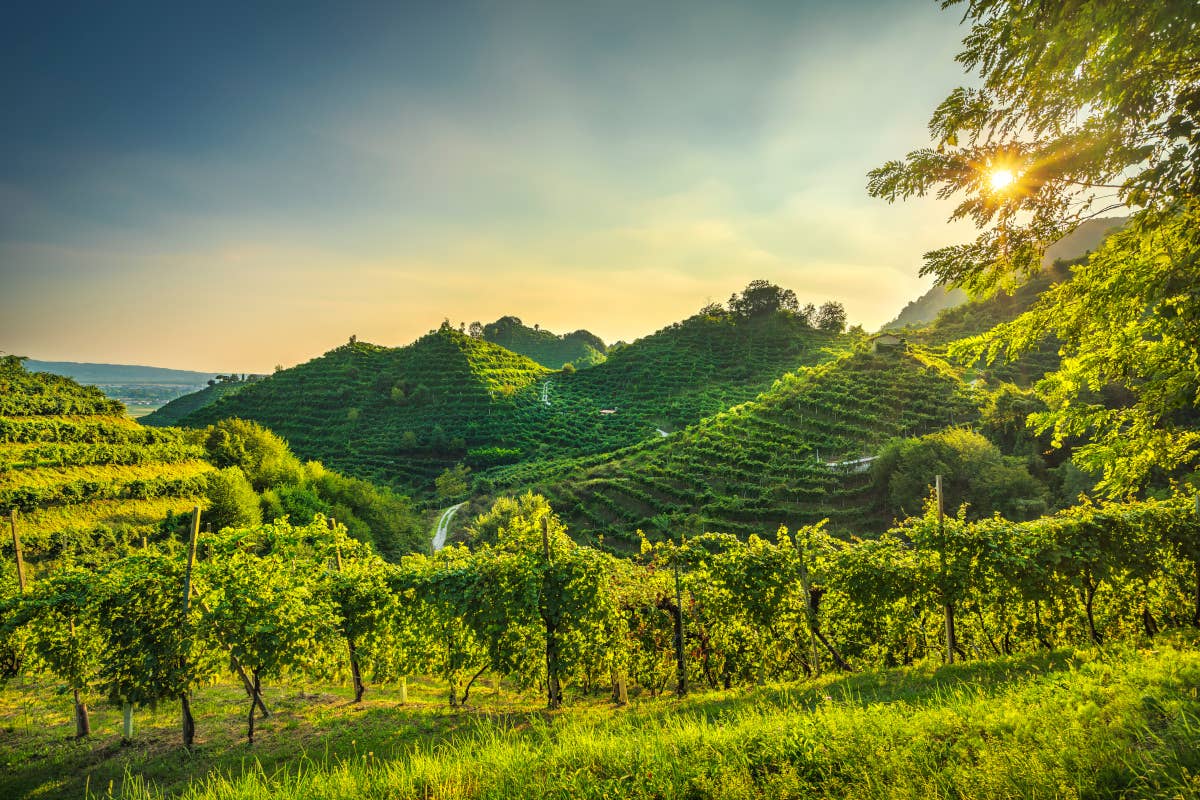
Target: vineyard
[[72, 463], [401, 416], [763, 463], [284, 604]]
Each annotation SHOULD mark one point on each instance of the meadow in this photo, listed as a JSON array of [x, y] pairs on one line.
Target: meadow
[[1110, 722]]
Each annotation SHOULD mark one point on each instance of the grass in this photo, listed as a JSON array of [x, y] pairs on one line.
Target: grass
[[1119, 722]]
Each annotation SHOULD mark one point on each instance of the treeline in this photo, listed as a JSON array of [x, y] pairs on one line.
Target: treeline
[[526, 602]]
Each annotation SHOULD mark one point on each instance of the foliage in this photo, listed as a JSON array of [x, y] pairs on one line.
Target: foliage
[[1127, 319], [452, 484], [973, 472], [262, 456], [1078, 100], [232, 502], [762, 297], [831, 317], [148, 655]]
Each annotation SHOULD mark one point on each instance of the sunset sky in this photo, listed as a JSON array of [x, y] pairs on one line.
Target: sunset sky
[[218, 188]]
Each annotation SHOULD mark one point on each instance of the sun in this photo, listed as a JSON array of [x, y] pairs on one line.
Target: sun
[[1002, 179]]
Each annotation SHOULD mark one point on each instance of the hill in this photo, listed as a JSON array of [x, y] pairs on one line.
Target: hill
[[402, 415], [926, 308], [700, 366], [174, 411], [75, 466], [396, 415], [580, 348], [767, 462]]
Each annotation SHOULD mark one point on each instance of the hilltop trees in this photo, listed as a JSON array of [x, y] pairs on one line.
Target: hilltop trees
[[1084, 107], [831, 317], [762, 297]]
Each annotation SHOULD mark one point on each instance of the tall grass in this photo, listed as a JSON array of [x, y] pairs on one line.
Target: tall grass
[[1093, 725]]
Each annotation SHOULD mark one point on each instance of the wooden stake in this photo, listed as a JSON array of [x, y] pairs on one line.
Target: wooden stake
[[947, 607], [12, 521], [188, 723]]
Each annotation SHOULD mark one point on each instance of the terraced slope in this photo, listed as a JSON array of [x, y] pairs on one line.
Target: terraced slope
[[395, 415], [401, 416], [700, 366], [762, 463], [73, 464]]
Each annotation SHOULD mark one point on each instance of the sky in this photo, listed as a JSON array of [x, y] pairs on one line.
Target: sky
[[222, 187]]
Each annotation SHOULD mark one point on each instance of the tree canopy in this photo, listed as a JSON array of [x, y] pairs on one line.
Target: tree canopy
[[1081, 108]]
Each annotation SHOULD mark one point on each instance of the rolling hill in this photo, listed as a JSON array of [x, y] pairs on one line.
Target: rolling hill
[[775, 460], [174, 411], [141, 389], [402, 415]]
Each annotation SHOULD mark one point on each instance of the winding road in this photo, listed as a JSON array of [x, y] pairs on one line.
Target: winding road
[[443, 527]]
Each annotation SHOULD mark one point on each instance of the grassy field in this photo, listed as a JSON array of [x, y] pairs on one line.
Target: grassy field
[[1069, 724]]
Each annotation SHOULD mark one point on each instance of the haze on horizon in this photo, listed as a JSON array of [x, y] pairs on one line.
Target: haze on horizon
[[212, 187]]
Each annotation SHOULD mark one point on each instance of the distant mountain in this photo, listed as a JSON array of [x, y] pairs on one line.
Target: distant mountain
[[1083, 240], [97, 374], [925, 308], [580, 348]]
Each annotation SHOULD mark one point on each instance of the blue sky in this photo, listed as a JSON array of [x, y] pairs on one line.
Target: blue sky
[[212, 186]]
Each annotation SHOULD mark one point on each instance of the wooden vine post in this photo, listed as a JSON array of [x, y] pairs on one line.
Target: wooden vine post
[[16, 537], [189, 723], [948, 605], [680, 662], [83, 722]]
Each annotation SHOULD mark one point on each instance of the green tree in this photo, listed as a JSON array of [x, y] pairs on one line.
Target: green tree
[[259, 453], [1082, 108], [973, 472], [831, 317], [453, 483], [232, 502], [762, 297]]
